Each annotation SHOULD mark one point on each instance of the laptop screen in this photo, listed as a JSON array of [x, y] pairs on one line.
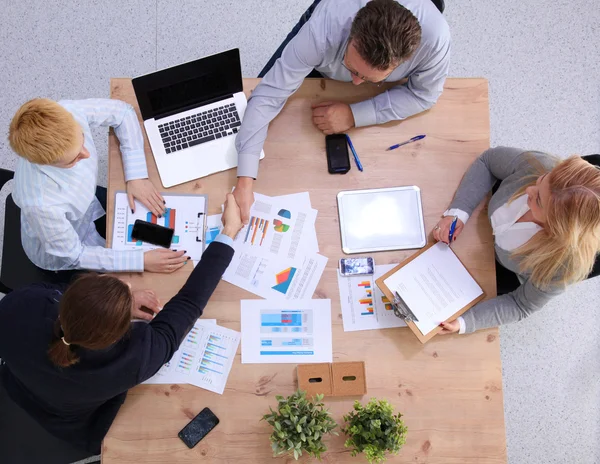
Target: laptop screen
[[189, 85]]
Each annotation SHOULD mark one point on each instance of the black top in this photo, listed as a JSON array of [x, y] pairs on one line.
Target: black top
[[80, 402]]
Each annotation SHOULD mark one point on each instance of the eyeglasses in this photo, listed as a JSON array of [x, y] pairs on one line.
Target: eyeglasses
[[363, 78]]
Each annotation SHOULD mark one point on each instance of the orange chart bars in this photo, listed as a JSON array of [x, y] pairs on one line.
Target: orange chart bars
[[386, 302], [255, 225]]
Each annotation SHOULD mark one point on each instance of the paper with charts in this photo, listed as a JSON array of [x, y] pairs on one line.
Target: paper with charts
[[286, 331], [435, 285], [276, 253], [364, 306], [185, 213], [204, 359]]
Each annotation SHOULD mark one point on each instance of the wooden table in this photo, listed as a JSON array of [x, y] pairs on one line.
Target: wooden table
[[449, 390]]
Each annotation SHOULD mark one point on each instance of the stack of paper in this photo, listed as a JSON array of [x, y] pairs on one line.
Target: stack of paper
[[204, 359], [276, 254]]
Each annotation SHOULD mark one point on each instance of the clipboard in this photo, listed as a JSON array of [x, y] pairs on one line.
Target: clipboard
[[409, 323]]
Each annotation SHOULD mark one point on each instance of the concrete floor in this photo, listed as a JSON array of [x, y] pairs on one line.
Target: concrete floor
[[541, 59]]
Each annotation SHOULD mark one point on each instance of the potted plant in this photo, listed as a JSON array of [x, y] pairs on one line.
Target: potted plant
[[299, 425], [374, 430]]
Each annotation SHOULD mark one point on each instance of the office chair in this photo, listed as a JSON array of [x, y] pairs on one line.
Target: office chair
[[16, 270], [440, 5]]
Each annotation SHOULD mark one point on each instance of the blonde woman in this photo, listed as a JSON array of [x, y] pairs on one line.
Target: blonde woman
[[545, 217]]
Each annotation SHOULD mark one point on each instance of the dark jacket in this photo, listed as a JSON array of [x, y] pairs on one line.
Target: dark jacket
[[80, 402]]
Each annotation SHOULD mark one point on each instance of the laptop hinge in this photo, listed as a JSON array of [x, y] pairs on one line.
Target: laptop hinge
[[192, 106]]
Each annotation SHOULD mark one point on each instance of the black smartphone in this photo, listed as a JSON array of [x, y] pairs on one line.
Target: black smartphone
[[338, 159], [198, 427], [152, 233]]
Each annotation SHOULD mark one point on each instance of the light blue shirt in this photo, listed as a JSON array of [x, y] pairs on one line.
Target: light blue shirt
[[59, 206], [321, 44]]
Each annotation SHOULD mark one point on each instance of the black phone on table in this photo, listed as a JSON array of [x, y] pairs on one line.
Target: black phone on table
[[338, 158], [198, 428], [152, 233]]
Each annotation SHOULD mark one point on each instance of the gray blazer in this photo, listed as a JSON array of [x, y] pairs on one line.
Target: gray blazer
[[512, 167]]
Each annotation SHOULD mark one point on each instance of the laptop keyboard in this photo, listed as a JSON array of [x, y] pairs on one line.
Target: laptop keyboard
[[199, 128]]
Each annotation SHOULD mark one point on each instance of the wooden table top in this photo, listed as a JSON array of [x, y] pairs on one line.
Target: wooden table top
[[449, 390]]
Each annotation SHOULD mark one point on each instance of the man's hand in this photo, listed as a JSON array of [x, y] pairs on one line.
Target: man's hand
[[449, 327], [163, 260], [144, 191], [145, 299], [244, 197], [332, 117], [231, 220]]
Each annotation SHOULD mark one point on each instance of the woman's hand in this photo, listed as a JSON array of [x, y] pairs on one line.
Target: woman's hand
[[145, 299], [231, 219], [145, 191], [449, 327], [441, 232]]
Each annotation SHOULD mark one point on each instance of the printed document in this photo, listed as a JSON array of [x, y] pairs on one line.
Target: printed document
[[286, 331], [435, 286]]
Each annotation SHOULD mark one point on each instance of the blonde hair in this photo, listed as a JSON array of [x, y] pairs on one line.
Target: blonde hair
[[42, 131], [565, 250]]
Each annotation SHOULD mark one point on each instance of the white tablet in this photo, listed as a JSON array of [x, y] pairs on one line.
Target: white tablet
[[381, 219]]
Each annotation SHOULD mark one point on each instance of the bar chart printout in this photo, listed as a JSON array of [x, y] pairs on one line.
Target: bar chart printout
[[204, 358], [185, 214], [286, 332], [364, 306]]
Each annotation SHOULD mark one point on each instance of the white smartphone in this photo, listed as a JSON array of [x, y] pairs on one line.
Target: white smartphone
[[357, 266]]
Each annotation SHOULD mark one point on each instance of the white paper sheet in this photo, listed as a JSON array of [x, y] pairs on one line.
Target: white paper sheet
[[286, 332], [185, 214], [204, 359], [276, 278], [364, 306], [434, 286]]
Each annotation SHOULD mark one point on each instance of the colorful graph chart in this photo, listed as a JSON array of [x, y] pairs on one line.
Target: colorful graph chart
[[366, 301], [211, 234], [257, 230], [185, 363], [386, 302], [279, 225], [284, 280]]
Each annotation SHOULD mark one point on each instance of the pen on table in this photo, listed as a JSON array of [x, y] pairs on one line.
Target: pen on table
[[358, 165], [414, 139], [452, 229]]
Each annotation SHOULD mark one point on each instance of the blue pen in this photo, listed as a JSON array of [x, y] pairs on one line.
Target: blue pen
[[414, 139], [358, 165], [452, 229]]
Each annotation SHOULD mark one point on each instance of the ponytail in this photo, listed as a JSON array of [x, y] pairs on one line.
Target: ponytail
[[60, 352], [94, 313]]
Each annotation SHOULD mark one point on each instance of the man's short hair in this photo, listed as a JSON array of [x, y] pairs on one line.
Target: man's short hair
[[42, 131], [385, 33]]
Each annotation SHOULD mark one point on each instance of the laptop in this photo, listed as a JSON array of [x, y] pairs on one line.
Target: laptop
[[192, 114]]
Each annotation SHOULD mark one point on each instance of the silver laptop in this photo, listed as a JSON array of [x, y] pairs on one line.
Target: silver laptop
[[192, 113]]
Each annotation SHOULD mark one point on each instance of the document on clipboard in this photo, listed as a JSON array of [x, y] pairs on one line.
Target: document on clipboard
[[431, 287]]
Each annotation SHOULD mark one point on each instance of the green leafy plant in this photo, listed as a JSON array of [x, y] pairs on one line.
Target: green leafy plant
[[374, 430], [299, 425]]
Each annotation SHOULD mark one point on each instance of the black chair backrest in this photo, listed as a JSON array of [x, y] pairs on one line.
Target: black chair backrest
[[5, 176], [439, 5]]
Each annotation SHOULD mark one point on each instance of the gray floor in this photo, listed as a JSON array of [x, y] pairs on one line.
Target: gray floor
[[541, 59]]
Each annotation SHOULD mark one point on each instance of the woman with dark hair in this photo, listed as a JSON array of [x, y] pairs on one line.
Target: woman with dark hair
[[71, 356]]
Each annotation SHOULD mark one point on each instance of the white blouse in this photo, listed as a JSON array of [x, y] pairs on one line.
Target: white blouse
[[508, 233]]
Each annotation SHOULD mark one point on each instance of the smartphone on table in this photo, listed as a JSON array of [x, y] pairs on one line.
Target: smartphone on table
[[152, 233], [198, 428], [357, 266], [338, 159]]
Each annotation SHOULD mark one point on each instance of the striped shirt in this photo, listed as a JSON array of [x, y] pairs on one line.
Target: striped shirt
[[59, 206]]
